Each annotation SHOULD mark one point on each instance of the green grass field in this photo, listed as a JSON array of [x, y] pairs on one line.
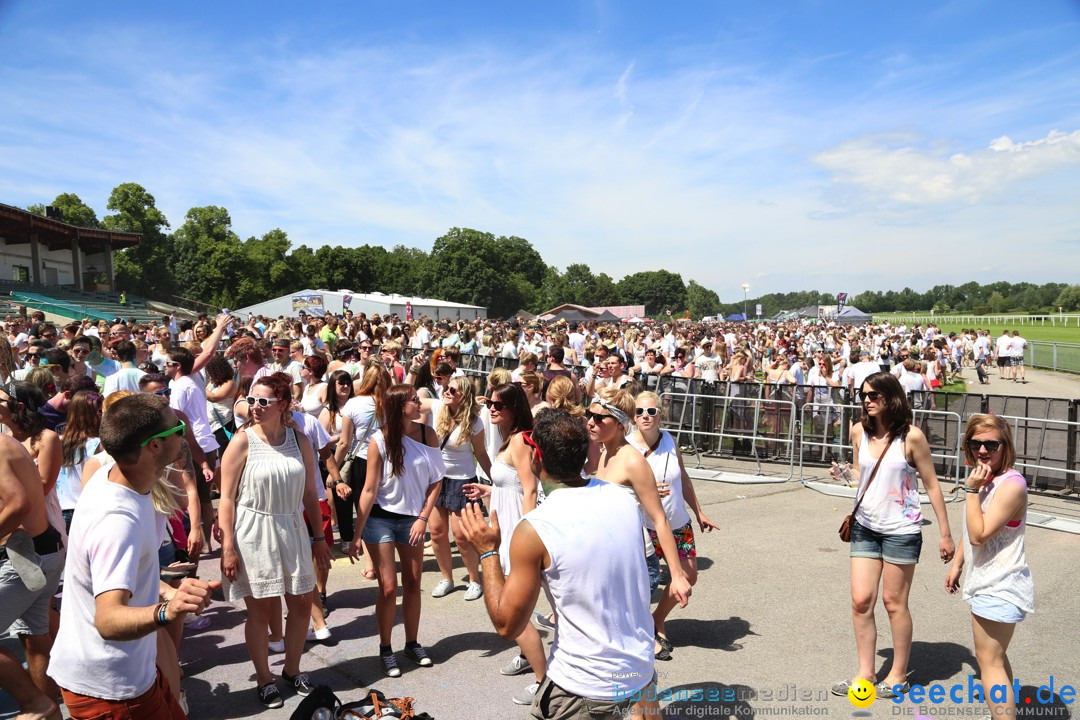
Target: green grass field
[[1046, 333]]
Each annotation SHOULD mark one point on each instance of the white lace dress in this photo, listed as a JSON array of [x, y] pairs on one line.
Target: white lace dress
[[271, 536]]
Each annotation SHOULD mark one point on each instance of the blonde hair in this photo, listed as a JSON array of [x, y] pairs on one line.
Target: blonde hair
[[618, 397], [464, 419], [498, 376], [647, 395], [533, 380], [986, 423], [562, 394]]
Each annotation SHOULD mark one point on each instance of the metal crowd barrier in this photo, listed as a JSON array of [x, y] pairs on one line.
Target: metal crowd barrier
[[1031, 436], [717, 425]]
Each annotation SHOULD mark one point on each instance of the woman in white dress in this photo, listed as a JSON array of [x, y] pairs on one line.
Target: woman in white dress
[[267, 479], [513, 493], [998, 585]]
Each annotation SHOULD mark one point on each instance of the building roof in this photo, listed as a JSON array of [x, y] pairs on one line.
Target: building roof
[[17, 225]]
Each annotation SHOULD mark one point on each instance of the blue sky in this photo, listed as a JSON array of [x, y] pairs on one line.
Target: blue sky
[[837, 146]]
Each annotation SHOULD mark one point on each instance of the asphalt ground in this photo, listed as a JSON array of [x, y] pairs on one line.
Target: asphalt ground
[[769, 619], [767, 631]]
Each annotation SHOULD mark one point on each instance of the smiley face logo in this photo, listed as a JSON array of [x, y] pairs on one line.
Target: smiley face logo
[[862, 693]]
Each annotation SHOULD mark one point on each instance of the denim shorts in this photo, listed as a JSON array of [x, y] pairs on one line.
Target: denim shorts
[[895, 549], [379, 530], [996, 609]]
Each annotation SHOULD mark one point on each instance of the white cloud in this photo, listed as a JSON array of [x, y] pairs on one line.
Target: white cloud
[[895, 169]]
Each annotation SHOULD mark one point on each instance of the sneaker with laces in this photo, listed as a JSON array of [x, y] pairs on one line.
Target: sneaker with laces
[[474, 591], [525, 695], [300, 683], [418, 655], [319, 635], [516, 666], [444, 588], [269, 696], [389, 664], [543, 621]]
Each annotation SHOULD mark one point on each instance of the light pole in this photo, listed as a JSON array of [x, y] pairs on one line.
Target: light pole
[[745, 289]]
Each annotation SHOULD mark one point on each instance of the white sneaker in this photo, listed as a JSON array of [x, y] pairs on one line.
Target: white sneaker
[[526, 695], [277, 647], [475, 591], [444, 588], [318, 635]]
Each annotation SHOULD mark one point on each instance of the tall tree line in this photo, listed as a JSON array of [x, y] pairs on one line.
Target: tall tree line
[[204, 259]]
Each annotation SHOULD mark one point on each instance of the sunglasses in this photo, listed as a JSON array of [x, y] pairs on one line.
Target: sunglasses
[[261, 402], [80, 351], [869, 395], [977, 445], [414, 399], [597, 418], [177, 430], [650, 411], [164, 392], [453, 391], [495, 405]]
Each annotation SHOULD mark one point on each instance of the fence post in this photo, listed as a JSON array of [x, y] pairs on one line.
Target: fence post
[[984, 404], [1055, 356], [1070, 441]]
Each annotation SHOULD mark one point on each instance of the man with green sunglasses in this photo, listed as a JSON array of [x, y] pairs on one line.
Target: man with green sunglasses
[[114, 601]]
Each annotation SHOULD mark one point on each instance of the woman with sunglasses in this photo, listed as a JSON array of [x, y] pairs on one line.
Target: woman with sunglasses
[[359, 420], [461, 441], [267, 476], [998, 586], [512, 494], [404, 469], [890, 454], [676, 492]]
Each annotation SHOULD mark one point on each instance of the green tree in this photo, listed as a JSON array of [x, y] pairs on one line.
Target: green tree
[[267, 272], [579, 285], [701, 301], [657, 290], [1069, 298], [209, 256], [147, 268], [996, 301], [606, 292], [402, 271], [465, 267], [73, 209], [519, 256]]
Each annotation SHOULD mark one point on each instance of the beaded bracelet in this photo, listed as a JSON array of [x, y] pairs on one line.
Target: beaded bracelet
[[489, 553], [421, 517], [159, 614]]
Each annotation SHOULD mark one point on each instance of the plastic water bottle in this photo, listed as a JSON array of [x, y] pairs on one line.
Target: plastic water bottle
[[845, 475], [322, 714]]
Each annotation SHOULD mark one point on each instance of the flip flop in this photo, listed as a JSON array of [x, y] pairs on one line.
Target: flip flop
[[21, 555], [369, 574]]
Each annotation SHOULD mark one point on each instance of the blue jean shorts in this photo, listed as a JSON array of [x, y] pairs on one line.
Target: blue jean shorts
[[379, 530], [996, 609], [895, 549]]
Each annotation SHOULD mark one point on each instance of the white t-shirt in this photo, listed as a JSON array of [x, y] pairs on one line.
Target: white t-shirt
[[405, 494], [1018, 344], [106, 367], [115, 536], [1004, 346], [187, 398], [319, 438], [124, 379], [458, 458], [361, 410], [292, 368], [69, 483]]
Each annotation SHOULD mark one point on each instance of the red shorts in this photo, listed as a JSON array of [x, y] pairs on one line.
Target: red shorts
[[327, 523], [157, 703]]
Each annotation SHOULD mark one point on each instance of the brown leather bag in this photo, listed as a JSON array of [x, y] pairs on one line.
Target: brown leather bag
[[845, 527]]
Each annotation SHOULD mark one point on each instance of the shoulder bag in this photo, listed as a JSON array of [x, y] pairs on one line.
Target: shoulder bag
[[845, 527]]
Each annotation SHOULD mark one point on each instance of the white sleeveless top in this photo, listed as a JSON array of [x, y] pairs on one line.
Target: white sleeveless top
[[998, 567], [665, 466], [309, 401], [592, 536], [891, 505]]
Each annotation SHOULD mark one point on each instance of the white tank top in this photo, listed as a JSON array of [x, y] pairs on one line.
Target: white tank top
[[310, 402], [598, 585], [665, 466], [891, 504], [998, 567]]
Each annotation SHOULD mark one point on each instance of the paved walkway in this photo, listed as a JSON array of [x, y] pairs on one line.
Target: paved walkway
[[769, 620], [1040, 383]]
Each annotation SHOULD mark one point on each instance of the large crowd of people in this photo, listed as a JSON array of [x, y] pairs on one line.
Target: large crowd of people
[[130, 450]]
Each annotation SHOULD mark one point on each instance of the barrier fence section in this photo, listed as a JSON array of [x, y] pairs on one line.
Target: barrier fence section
[[1064, 357], [771, 424]]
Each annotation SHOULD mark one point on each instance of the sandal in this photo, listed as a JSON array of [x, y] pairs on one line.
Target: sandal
[[369, 573], [664, 642], [664, 654]]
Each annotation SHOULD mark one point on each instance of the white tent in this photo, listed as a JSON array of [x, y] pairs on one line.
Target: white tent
[[336, 302]]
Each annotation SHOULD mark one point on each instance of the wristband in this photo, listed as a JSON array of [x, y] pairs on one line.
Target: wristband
[[489, 553], [421, 517], [317, 538], [159, 614], [970, 491]]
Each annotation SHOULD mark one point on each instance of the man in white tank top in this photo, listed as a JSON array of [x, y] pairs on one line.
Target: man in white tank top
[[583, 545]]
